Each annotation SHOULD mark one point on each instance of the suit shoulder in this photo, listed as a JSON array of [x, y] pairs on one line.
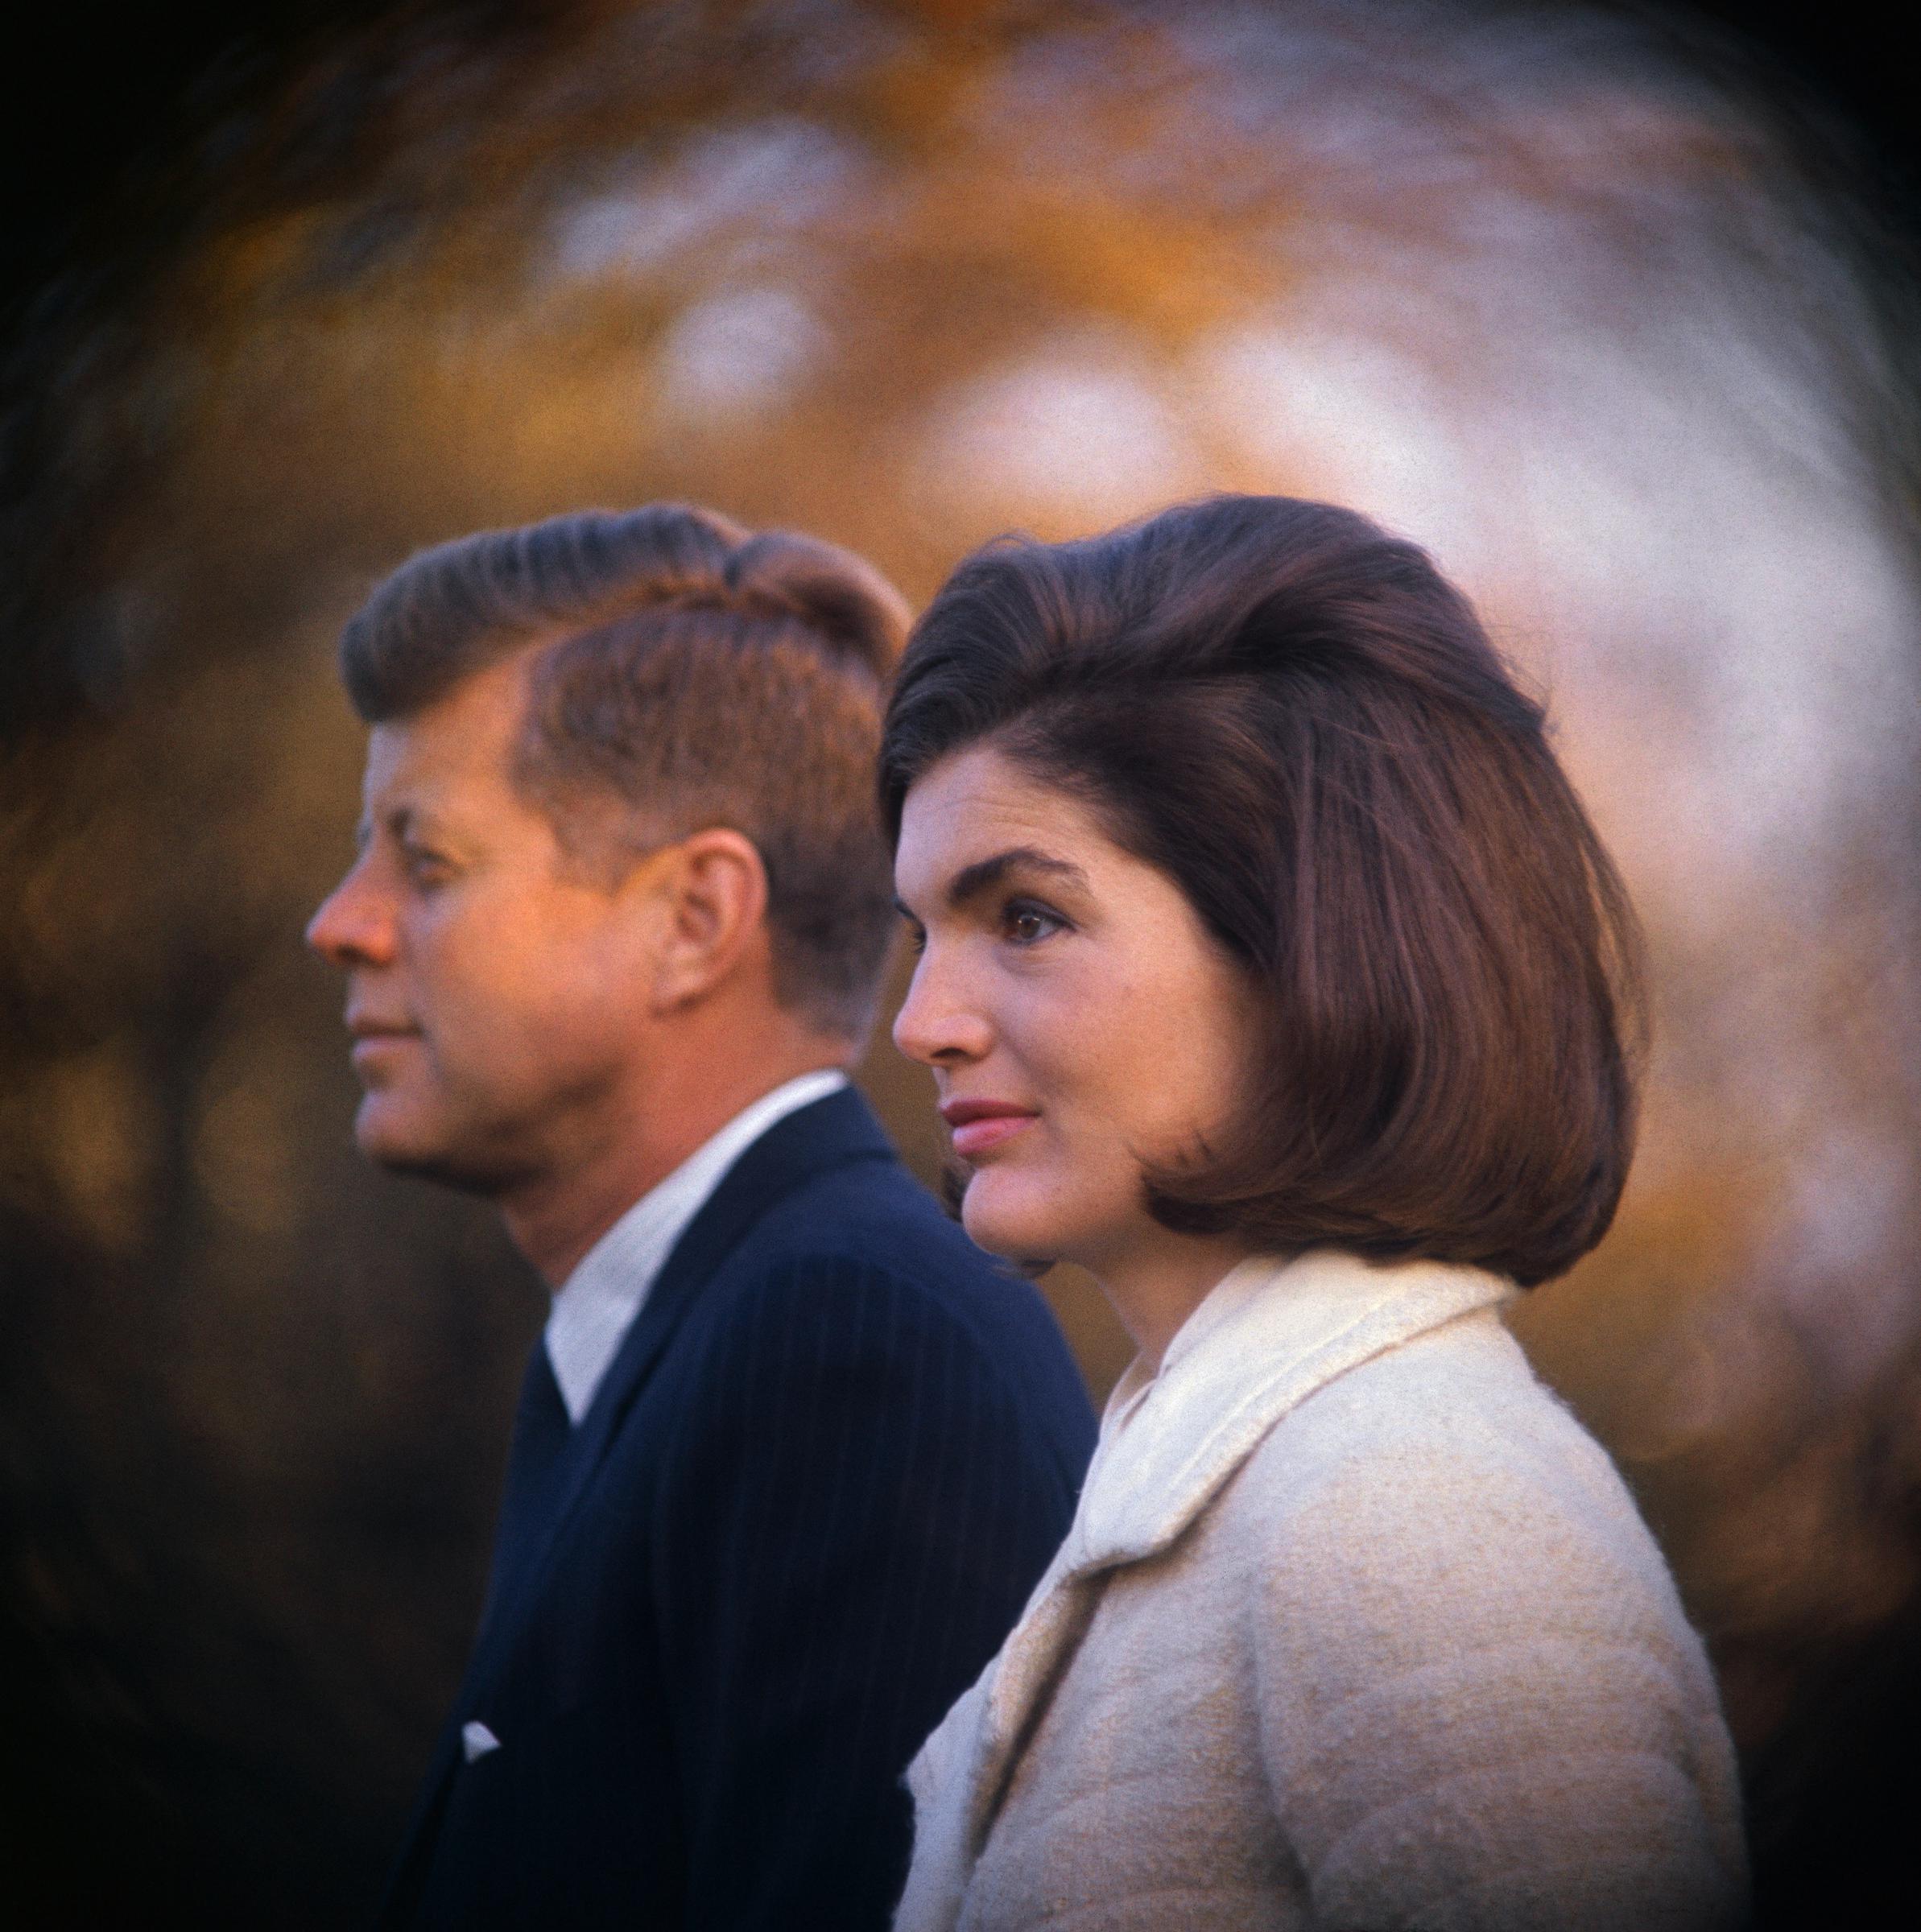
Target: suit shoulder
[[870, 1226], [872, 1208], [857, 1271]]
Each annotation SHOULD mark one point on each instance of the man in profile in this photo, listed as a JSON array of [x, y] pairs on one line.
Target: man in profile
[[790, 1453]]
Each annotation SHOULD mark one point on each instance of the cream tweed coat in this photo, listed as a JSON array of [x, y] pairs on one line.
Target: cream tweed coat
[[1356, 1627]]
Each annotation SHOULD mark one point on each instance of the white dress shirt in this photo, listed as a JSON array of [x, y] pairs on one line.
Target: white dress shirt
[[596, 1304]]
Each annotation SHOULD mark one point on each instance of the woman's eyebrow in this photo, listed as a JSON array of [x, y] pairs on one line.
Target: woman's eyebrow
[[971, 881]]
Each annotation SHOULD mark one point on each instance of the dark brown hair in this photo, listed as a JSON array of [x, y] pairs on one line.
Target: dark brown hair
[[691, 674], [1298, 720]]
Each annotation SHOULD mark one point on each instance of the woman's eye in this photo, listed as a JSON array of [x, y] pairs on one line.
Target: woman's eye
[[1026, 924]]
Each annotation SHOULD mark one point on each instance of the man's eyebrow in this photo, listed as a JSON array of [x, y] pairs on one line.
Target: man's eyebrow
[[399, 822], [409, 821]]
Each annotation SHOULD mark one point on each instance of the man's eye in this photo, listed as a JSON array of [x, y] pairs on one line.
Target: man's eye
[[427, 868], [916, 936]]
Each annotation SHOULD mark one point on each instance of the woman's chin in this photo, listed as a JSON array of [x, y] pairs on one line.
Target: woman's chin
[[997, 1220]]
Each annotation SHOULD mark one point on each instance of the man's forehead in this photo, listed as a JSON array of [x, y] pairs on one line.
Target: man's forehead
[[399, 768], [460, 744]]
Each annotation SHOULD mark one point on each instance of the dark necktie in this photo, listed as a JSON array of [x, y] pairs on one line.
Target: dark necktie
[[542, 1432]]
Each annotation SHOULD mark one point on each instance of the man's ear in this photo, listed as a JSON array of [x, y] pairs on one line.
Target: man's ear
[[710, 895]]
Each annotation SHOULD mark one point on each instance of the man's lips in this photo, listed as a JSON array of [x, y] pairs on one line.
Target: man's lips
[[371, 1037], [980, 1126]]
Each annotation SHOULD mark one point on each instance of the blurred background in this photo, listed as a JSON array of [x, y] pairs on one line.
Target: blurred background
[[1613, 307]]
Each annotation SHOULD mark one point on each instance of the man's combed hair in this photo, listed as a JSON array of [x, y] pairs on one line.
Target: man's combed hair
[[1299, 722], [692, 674]]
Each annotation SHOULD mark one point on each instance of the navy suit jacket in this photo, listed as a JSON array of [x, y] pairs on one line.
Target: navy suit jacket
[[834, 1453]]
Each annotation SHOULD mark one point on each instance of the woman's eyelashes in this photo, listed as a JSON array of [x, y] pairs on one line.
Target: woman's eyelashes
[[1026, 922], [1019, 922]]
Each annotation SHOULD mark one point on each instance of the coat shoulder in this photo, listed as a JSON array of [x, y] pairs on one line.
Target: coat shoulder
[[1457, 1613], [1440, 1500], [1452, 1427]]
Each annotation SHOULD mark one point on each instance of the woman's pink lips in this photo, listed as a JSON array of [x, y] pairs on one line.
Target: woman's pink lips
[[977, 1137], [982, 1135]]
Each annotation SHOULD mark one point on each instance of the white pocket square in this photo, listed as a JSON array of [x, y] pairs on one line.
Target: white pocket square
[[476, 1740]]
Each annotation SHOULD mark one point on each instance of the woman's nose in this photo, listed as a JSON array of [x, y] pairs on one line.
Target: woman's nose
[[353, 925], [938, 1024]]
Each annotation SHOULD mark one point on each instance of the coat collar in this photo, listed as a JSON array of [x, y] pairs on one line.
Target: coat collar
[[1268, 1336]]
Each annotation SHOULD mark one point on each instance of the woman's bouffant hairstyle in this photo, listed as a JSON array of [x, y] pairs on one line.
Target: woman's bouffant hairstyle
[[690, 673], [1296, 718]]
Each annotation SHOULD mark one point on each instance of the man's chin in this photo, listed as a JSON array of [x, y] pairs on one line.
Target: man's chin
[[403, 1149]]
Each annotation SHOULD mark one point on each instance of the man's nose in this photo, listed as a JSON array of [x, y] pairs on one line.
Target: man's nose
[[938, 1024], [353, 925]]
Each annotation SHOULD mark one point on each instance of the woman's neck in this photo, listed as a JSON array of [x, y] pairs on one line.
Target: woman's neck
[[1158, 1280]]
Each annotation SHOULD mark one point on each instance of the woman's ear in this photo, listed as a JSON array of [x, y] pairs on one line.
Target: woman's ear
[[710, 907]]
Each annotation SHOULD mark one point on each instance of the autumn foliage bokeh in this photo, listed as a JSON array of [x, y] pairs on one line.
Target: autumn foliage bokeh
[[1550, 290]]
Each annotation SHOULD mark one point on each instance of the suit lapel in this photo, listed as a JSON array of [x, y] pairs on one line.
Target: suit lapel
[[829, 1133]]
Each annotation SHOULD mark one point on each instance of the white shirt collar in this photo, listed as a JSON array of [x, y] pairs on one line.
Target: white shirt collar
[[596, 1304]]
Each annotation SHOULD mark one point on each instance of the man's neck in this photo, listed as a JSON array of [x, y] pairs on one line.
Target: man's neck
[[557, 1218]]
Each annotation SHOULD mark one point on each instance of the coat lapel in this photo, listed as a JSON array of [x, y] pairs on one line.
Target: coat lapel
[[1268, 1336]]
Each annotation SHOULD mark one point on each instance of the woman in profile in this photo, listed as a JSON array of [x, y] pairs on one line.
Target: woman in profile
[[1269, 969]]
